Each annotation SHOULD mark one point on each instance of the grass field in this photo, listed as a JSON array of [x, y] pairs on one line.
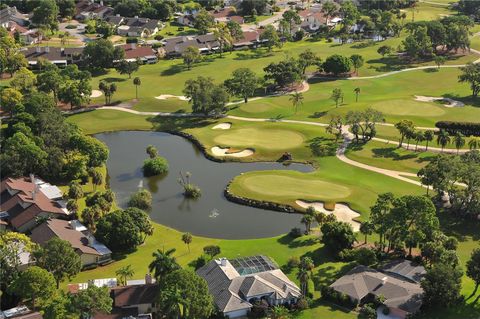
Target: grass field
[[388, 156]]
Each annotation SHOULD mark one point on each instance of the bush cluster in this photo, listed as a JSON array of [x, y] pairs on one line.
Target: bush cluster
[[466, 128], [155, 166], [328, 293]]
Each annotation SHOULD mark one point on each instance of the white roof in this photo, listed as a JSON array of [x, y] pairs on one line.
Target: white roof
[[77, 225], [51, 191]]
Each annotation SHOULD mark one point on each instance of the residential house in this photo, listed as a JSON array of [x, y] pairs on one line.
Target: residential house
[[103, 282], [26, 36], [11, 14], [236, 285], [174, 47], [135, 27], [91, 251], [20, 312], [250, 39], [402, 295], [23, 200], [226, 14], [58, 56], [145, 54], [88, 9], [186, 18]]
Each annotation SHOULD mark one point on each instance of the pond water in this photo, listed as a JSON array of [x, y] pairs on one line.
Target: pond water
[[212, 215]]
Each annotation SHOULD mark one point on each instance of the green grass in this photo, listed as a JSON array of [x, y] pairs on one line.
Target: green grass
[[389, 156], [393, 95], [108, 120], [172, 29], [428, 11]]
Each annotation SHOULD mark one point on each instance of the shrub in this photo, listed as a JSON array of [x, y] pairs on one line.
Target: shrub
[[71, 26], [293, 262], [302, 304], [347, 255], [212, 250], [295, 232], [158, 37], [368, 312], [299, 35], [386, 311], [192, 191], [132, 40], [466, 128], [155, 166], [142, 199], [201, 261], [365, 256]]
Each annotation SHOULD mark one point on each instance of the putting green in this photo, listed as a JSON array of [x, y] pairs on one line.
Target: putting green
[[405, 107], [272, 139], [270, 184]]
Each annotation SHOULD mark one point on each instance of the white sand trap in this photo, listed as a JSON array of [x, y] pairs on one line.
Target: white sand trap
[[222, 126], [96, 93], [220, 151], [342, 212], [169, 96], [449, 102]]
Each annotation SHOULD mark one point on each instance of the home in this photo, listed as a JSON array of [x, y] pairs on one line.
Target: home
[[58, 56], [312, 20], [186, 18], [236, 285], [87, 9], [20, 312], [173, 47], [226, 14], [403, 296], [135, 27], [26, 36], [145, 54], [11, 14], [250, 39], [91, 251], [24, 200]]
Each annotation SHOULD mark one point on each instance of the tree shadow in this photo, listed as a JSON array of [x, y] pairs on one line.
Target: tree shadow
[[468, 100], [179, 123], [252, 54], [460, 227], [173, 69], [297, 242], [318, 115], [389, 152], [114, 79]]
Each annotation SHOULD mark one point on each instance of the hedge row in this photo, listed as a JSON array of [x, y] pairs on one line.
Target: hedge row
[[466, 128]]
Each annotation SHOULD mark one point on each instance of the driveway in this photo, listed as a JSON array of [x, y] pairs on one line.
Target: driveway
[[78, 32]]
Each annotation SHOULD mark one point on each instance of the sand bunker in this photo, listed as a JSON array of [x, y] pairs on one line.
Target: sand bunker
[[222, 126], [169, 96], [342, 212], [96, 93], [220, 151], [448, 101]]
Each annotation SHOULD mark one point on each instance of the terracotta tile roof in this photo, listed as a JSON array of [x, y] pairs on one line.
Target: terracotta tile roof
[[134, 295], [61, 229], [133, 51], [223, 13]]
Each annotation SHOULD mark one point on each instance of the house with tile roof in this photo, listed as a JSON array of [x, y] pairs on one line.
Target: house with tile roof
[[174, 47], [236, 285], [403, 297], [134, 52], [134, 27], [226, 14], [91, 251], [11, 14], [23, 200], [58, 56]]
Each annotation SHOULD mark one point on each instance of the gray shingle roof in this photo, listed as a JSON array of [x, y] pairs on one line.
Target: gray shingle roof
[[231, 291], [362, 281], [406, 269]]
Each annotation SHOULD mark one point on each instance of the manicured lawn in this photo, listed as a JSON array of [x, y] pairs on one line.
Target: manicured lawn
[[174, 29], [428, 11], [108, 120], [388, 156], [393, 95]]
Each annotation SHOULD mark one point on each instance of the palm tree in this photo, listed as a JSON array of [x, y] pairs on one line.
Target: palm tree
[[409, 134], [357, 93], [97, 178], [296, 99], [366, 228], [307, 221], [303, 276], [419, 137], [428, 135], [474, 143], [320, 217], [459, 141], [443, 138], [137, 82], [123, 273], [163, 263], [187, 239]]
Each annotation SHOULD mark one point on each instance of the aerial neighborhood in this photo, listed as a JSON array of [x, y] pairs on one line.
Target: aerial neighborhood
[[263, 159]]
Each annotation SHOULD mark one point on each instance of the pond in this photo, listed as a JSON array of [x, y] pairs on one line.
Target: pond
[[212, 215]]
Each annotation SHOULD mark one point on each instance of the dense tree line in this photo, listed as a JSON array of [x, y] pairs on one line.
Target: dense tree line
[[428, 37], [446, 174], [38, 140], [154, 9]]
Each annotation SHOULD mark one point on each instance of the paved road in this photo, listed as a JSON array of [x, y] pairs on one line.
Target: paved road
[[77, 33]]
